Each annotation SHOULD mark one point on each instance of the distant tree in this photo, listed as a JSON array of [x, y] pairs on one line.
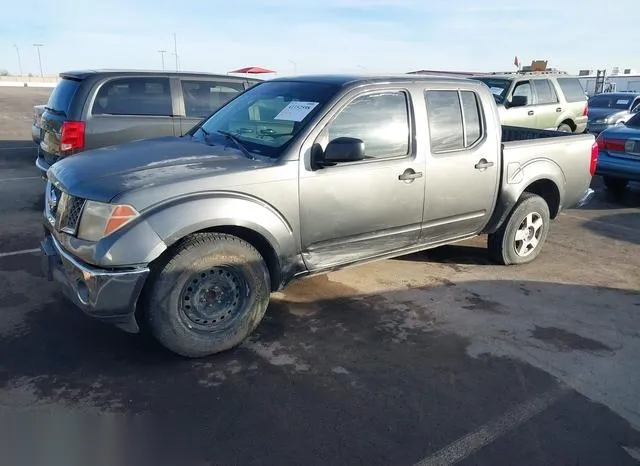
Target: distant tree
[[4, 73]]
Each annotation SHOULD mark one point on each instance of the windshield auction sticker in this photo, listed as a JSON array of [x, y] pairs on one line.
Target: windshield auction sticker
[[296, 111]]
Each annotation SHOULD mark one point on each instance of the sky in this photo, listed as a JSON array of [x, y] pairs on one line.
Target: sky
[[319, 36]]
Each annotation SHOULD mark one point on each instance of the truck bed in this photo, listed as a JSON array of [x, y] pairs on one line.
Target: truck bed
[[563, 157], [517, 133]]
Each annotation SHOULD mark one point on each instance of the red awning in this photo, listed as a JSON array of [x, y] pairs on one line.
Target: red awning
[[252, 70]]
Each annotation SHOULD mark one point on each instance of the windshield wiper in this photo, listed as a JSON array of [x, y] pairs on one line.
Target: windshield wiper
[[237, 142]]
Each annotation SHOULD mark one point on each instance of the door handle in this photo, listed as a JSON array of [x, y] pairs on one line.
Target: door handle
[[530, 112], [483, 164], [409, 175], [559, 109]]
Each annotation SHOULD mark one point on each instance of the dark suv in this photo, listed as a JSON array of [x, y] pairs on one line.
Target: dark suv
[[92, 109]]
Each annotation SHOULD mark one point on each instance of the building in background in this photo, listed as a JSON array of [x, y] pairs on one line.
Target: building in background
[[615, 80]]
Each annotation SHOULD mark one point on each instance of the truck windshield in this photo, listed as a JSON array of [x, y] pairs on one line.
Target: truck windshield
[[498, 87], [615, 101], [265, 118]]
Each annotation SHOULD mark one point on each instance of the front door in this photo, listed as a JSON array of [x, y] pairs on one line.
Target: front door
[[202, 97], [357, 210], [520, 116], [463, 170]]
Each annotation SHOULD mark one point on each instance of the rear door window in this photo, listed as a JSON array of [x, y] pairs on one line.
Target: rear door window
[[455, 121], [145, 96], [62, 96], [544, 92], [572, 89], [201, 98]]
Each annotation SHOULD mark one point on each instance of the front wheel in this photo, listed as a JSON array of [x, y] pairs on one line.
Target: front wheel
[[209, 297], [520, 238]]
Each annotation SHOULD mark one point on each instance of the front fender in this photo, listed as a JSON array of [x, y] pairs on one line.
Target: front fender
[[517, 177], [178, 218]]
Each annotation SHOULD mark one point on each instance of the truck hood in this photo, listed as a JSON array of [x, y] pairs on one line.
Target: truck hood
[[105, 173]]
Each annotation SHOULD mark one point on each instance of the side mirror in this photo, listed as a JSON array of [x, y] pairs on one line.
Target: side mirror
[[519, 101], [344, 149]]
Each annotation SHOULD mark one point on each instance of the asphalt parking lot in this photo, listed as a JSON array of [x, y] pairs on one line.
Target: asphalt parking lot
[[433, 358]]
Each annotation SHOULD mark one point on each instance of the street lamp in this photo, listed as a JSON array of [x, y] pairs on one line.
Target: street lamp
[[37, 46], [19, 59], [162, 52]]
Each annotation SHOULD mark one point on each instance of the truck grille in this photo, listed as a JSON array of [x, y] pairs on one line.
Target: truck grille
[[63, 210]]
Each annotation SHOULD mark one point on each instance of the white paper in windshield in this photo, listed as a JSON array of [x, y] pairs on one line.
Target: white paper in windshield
[[622, 102], [496, 90], [296, 111]]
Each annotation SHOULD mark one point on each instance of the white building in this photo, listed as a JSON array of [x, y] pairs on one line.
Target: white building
[[615, 80]]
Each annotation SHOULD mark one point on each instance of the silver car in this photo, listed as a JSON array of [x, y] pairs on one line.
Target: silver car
[[611, 109]]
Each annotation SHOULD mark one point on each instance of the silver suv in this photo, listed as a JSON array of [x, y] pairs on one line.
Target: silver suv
[[539, 99]]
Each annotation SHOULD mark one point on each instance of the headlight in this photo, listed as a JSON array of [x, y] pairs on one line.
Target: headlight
[[99, 220]]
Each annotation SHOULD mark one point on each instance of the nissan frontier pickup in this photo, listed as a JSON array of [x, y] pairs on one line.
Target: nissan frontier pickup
[[186, 237]]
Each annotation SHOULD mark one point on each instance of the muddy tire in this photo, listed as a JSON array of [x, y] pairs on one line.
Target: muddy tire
[[520, 238], [209, 296]]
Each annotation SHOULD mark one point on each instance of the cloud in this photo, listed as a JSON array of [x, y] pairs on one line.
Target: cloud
[[316, 35]]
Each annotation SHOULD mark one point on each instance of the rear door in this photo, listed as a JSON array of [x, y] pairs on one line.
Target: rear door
[[200, 97], [463, 167], [128, 108], [547, 105], [56, 112]]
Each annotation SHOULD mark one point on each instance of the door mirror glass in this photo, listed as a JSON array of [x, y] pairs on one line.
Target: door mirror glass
[[344, 149], [519, 101]]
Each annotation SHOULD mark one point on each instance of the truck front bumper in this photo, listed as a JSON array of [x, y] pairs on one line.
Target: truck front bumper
[[107, 295]]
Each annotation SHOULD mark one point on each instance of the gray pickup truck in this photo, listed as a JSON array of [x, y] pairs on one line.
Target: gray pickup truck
[[186, 237]]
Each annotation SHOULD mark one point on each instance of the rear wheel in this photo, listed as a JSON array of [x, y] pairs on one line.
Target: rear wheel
[[615, 185], [565, 128], [209, 297], [520, 238]]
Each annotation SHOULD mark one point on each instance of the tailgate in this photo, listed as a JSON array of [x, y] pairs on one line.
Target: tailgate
[[56, 112]]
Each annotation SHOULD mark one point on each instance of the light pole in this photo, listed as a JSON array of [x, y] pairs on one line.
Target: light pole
[[162, 52], [175, 49], [37, 46], [19, 59], [295, 66]]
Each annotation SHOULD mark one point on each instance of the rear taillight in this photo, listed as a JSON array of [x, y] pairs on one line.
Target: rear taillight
[[72, 136], [585, 112], [616, 145], [595, 150]]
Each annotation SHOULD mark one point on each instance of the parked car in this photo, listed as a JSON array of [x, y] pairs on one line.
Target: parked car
[[610, 109], [543, 100], [619, 160], [92, 109], [188, 236]]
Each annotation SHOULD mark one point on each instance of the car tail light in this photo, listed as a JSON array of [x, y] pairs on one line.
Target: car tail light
[[585, 112], [72, 136], [616, 145], [595, 150]]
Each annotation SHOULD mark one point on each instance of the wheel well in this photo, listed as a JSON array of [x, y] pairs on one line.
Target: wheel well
[[548, 191], [571, 124]]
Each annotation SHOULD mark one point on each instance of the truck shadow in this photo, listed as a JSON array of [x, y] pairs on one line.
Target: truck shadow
[[623, 227], [348, 363]]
